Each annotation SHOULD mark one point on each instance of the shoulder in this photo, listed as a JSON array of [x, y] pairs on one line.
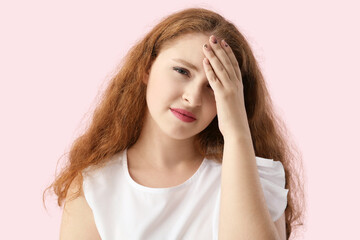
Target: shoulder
[[108, 165], [280, 226], [77, 218], [272, 178]]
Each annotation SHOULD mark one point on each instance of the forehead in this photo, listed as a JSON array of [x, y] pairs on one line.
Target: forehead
[[187, 45]]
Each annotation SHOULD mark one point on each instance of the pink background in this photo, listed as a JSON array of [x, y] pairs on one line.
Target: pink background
[[56, 57]]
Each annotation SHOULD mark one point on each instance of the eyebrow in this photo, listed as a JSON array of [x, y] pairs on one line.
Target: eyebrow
[[190, 65]]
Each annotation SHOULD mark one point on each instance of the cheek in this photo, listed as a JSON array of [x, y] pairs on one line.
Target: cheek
[[161, 90], [168, 87], [211, 104]]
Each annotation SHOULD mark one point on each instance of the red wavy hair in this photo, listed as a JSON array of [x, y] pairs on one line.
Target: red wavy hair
[[118, 119]]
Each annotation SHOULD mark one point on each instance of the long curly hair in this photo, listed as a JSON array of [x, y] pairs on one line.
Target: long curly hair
[[118, 118]]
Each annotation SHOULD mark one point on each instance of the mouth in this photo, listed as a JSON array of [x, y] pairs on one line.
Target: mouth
[[184, 112], [181, 116]]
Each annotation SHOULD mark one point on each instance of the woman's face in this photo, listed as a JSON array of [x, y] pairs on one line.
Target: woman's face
[[177, 80]]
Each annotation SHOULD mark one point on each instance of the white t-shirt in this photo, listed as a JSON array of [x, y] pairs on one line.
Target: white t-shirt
[[124, 209]]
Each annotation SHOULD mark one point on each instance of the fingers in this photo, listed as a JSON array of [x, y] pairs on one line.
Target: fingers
[[219, 69], [232, 58], [224, 65], [222, 56], [210, 74]]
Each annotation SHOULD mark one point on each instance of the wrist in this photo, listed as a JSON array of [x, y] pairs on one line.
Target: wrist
[[238, 137]]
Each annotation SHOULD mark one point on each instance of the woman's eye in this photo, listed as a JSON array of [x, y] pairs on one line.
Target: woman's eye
[[181, 71]]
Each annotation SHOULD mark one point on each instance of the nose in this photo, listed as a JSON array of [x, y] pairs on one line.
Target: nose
[[193, 95]]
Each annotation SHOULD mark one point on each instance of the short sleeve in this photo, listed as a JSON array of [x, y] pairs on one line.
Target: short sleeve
[[272, 178]]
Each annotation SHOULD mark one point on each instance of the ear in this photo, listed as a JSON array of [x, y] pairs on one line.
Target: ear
[[147, 73], [146, 78]]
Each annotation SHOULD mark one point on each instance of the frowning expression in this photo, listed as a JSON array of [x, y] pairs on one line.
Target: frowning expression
[[179, 98]]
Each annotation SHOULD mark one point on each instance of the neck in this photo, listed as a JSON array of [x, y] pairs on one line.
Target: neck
[[156, 150]]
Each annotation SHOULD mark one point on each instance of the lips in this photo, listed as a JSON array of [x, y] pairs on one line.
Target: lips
[[184, 112]]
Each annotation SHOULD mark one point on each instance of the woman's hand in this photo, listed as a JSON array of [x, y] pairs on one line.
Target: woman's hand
[[224, 75]]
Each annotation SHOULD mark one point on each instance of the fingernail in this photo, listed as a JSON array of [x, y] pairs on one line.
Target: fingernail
[[225, 44], [213, 39], [206, 46]]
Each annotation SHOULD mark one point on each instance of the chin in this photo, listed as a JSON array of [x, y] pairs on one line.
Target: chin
[[181, 134]]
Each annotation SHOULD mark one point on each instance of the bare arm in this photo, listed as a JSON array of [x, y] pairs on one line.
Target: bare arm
[[77, 220], [280, 225], [243, 209]]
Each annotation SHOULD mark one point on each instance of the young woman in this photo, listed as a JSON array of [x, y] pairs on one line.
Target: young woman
[[184, 144]]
